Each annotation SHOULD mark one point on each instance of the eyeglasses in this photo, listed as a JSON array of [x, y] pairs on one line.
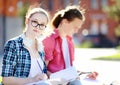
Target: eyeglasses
[[37, 25]]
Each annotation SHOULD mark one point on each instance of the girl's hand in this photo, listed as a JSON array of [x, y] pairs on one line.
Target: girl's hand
[[40, 76], [92, 75]]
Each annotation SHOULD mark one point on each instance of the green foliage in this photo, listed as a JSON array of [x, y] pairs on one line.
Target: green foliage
[[117, 30], [115, 57], [0, 79], [23, 10], [118, 48], [114, 10], [85, 44]]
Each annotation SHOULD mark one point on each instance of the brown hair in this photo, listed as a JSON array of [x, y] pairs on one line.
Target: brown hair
[[69, 13]]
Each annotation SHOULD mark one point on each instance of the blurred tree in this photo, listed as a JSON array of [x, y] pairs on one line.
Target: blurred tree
[[22, 11], [113, 12]]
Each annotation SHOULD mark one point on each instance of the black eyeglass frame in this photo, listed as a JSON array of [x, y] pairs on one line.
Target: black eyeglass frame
[[36, 24]]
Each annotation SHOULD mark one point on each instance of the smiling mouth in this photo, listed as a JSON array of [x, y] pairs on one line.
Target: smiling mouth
[[35, 30]]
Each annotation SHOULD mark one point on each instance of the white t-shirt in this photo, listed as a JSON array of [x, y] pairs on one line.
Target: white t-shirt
[[37, 66], [66, 53]]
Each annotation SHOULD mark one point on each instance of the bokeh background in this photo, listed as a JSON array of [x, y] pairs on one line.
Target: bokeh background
[[99, 36], [100, 30]]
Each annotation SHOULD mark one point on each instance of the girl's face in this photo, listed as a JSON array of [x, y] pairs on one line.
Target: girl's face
[[73, 26], [37, 24]]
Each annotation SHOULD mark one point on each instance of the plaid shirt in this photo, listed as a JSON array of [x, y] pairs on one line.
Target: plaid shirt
[[16, 60]]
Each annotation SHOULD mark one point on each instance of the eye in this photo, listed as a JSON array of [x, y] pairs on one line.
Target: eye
[[42, 25], [34, 23]]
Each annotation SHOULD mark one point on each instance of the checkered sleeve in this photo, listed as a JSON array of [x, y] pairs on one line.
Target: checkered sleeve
[[9, 59]]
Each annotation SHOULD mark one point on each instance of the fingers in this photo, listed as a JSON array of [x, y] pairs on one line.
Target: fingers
[[93, 75], [40, 76], [45, 76]]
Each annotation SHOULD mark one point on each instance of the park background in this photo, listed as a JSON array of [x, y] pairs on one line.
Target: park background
[[98, 36], [98, 31]]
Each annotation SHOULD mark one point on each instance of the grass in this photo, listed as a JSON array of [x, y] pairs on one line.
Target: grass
[[86, 44], [0, 79], [115, 57]]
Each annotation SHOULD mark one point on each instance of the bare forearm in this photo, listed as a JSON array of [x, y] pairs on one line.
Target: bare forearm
[[16, 81]]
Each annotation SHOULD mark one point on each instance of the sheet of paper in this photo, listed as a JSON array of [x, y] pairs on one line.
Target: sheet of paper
[[42, 82], [50, 82], [87, 81], [67, 74], [61, 77]]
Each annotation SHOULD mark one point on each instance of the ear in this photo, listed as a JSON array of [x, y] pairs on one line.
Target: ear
[[26, 21]]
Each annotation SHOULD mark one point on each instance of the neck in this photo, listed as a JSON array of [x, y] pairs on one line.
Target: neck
[[61, 31], [32, 39], [28, 35]]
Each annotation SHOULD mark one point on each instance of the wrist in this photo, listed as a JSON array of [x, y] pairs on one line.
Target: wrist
[[31, 80]]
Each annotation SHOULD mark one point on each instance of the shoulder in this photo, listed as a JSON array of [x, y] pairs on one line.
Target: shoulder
[[49, 41], [13, 41], [50, 38]]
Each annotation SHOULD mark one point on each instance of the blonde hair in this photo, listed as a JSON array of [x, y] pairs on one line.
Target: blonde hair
[[32, 11]]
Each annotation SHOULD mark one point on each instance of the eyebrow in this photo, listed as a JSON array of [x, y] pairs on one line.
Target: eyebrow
[[37, 21], [34, 20]]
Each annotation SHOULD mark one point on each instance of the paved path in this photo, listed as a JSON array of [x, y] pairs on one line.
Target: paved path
[[108, 70], [93, 52]]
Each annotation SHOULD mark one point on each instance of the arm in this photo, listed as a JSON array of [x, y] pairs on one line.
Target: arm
[[90, 75], [16, 81], [22, 81], [48, 72], [8, 68], [48, 49]]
